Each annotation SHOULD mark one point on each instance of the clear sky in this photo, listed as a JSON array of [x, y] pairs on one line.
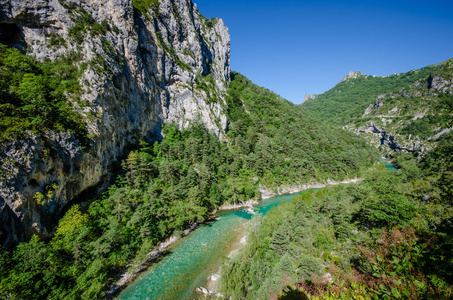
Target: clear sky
[[305, 47]]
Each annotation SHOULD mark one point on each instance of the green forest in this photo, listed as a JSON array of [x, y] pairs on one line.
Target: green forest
[[388, 237], [170, 184]]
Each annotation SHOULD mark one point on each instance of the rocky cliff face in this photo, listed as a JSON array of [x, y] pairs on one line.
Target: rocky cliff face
[[352, 75], [165, 64], [308, 97]]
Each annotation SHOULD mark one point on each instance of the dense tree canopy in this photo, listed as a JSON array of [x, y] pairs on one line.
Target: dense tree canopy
[[388, 237]]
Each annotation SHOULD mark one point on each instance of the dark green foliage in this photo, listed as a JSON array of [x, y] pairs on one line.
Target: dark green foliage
[[210, 23], [56, 40], [84, 23], [381, 238], [282, 143], [208, 85], [32, 96], [439, 162], [386, 206], [440, 159], [423, 127]]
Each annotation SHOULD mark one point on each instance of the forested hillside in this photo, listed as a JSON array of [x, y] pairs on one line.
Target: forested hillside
[[168, 185], [388, 237], [282, 143], [406, 111]]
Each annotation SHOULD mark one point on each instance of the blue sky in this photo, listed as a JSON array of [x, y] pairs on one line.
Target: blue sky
[[305, 47]]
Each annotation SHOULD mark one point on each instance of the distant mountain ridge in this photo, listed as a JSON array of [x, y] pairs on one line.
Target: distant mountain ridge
[[406, 112]]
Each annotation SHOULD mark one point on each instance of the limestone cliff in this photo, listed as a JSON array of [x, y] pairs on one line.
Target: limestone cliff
[[309, 97], [352, 75], [166, 63]]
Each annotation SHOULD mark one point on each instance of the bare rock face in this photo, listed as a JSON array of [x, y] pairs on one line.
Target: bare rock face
[[352, 75], [308, 97], [438, 83], [165, 65]]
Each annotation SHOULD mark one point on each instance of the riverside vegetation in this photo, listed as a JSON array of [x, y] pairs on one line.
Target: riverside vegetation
[[33, 95], [166, 186], [388, 237]]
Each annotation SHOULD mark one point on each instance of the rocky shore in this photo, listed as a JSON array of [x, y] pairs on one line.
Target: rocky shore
[[128, 276], [267, 193]]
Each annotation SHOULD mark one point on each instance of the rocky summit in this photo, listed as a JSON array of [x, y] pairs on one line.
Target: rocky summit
[[141, 67]]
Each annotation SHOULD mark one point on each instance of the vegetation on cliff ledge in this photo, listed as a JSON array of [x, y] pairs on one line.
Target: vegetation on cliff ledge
[[33, 96]]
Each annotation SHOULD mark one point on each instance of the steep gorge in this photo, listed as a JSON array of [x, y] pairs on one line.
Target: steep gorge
[[140, 70]]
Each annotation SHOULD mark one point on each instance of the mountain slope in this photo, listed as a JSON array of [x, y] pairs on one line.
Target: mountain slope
[[406, 111], [288, 142], [386, 237]]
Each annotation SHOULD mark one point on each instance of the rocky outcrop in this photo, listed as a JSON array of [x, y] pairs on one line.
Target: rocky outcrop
[[243, 204], [440, 84], [267, 192], [404, 107], [352, 75], [387, 139], [308, 97], [165, 65], [441, 133]]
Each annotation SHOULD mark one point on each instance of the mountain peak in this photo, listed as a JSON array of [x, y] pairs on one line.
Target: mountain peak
[[309, 97], [352, 75]]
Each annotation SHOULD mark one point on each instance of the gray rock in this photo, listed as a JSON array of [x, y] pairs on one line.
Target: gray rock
[[352, 75], [308, 97], [153, 66], [379, 101], [368, 110]]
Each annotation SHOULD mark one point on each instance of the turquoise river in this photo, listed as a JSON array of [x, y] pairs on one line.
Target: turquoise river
[[193, 259]]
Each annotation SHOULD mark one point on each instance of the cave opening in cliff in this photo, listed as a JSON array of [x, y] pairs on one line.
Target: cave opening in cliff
[[10, 35]]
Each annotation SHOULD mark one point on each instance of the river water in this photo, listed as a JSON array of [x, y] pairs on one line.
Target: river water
[[194, 258], [388, 165]]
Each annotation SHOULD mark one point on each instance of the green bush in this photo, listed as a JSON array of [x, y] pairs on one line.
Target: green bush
[[32, 96], [85, 22], [143, 6]]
